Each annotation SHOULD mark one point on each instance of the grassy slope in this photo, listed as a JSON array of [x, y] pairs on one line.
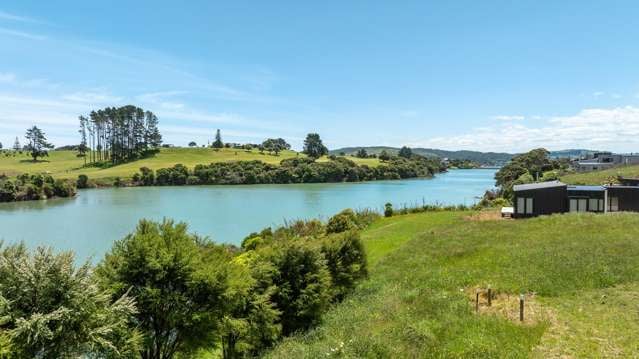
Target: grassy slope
[[65, 164], [601, 177], [424, 269]]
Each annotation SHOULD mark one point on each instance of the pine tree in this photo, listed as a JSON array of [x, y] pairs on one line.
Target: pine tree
[[16, 145], [218, 140], [38, 145]]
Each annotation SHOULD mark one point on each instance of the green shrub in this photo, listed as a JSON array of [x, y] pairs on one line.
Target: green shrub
[[342, 222], [388, 210], [346, 261], [83, 181]]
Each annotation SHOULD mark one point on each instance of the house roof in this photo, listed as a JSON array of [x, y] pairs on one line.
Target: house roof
[[540, 185], [587, 188]]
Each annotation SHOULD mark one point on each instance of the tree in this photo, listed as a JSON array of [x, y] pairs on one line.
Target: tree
[[179, 290], [218, 140], [524, 168], [384, 156], [405, 152], [361, 153], [275, 145], [192, 144], [51, 309], [37, 143], [313, 146], [0, 145], [16, 145], [82, 148]]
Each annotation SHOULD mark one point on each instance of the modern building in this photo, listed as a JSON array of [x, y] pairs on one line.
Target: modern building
[[605, 160], [542, 198]]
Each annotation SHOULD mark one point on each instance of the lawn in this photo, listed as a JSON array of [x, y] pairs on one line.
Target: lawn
[[601, 176], [579, 273], [65, 164]]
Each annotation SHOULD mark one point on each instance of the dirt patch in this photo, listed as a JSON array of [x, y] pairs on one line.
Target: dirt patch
[[486, 215], [506, 305]]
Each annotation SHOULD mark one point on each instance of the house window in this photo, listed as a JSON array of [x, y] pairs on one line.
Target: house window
[[573, 205], [593, 204], [521, 205], [613, 204], [524, 205], [582, 205]]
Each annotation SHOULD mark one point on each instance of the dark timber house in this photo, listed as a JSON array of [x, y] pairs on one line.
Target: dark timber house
[[537, 199]]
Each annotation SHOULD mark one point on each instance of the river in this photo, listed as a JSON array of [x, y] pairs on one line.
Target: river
[[89, 223]]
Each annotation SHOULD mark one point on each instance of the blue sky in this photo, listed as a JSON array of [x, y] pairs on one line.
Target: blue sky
[[484, 75]]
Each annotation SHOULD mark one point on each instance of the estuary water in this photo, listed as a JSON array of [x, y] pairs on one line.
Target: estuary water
[[89, 223]]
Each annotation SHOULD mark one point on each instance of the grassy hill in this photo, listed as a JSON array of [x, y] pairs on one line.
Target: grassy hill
[[484, 158], [602, 176], [578, 271], [65, 164]]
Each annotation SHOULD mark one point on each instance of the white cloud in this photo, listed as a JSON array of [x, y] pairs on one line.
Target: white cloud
[[7, 77], [509, 117], [616, 129], [91, 97], [13, 17], [598, 94], [22, 34], [159, 99]]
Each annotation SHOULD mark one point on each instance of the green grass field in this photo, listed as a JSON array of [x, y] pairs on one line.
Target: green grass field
[[579, 273], [601, 177], [65, 164]]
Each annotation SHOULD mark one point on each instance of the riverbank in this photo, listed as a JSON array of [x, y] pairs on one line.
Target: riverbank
[[577, 272], [225, 213]]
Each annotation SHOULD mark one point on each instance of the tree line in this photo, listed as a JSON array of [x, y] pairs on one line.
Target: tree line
[[26, 187], [116, 135], [292, 170], [163, 292]]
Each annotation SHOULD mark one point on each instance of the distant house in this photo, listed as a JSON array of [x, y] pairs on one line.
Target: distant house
[[605, 160], [537, 199]]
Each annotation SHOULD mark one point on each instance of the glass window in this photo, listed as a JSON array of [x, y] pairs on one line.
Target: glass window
[[601, 205], [529, 205], [593, 205], [573, 205], [521, 202], [582, 205], [614, 204]]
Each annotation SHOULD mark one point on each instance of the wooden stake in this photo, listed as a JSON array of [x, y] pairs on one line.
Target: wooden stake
[[477, 301], [490, 297], [521, 307]]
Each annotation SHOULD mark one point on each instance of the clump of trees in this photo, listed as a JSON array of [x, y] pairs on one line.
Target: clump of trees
[[292, 170], [528, 167], [275, 145], [26, 187], [115, 135], [162, 292]]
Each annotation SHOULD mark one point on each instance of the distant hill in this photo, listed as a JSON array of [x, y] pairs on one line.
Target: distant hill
[[483, 158]]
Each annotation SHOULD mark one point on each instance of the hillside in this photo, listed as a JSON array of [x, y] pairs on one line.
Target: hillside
[[602, 176], [578, 271], [484, 158], [65, 164]]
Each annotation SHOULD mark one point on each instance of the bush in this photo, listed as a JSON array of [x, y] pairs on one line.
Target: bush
[[302, 284], [388, 210], [83, 181], [346, 261], [342, 222], [178, 282], [52, 309]]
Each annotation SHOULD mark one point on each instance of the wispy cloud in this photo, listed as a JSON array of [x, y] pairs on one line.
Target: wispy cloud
[[7, 77], [160, 99], [18, 18], [610, 128], [509, 117], [91, 97], [22, 34]]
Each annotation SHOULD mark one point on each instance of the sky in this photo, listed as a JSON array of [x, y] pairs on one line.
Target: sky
[[477, 75]]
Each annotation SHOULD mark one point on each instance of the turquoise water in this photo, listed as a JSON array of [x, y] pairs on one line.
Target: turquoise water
[[89, 223]]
